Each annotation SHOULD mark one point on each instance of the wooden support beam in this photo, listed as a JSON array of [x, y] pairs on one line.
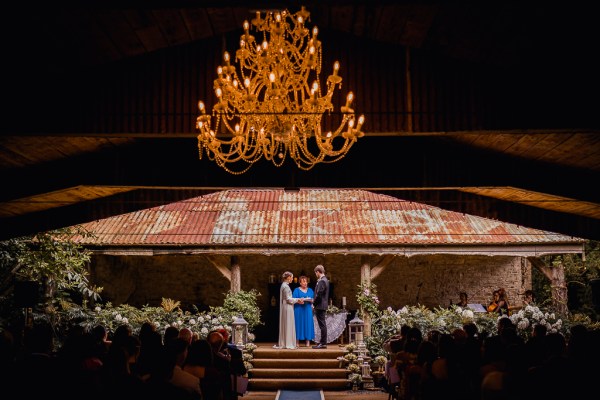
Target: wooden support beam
[[556, 275], [380, 267], [221, 268], [236, 278]]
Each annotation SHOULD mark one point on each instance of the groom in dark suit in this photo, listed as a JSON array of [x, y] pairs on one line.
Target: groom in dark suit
[[321, 303]]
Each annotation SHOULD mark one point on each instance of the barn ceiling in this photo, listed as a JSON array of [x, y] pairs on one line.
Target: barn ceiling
[[535, 175]]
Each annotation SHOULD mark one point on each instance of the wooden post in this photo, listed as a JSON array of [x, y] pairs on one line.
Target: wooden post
[[556, 275], [365, 278], [236, 279]]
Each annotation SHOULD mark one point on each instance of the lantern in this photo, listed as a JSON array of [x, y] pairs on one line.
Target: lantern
[[239, 332], [356, 329], [365, 369]]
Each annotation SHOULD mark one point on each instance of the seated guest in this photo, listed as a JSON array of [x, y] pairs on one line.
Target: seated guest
[[177, 350], [186, 334]]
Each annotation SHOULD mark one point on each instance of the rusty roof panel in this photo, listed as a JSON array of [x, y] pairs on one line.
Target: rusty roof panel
[[305, 217]]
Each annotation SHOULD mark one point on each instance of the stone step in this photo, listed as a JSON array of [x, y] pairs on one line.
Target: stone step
[[316, 363], [298, 373], [274, 384]]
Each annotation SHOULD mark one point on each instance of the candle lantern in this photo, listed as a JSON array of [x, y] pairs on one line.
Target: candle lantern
[[239, 332], [365, 369], [356, 329]]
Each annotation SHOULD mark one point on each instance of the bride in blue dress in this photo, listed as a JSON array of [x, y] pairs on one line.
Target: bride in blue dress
[[303, 313]]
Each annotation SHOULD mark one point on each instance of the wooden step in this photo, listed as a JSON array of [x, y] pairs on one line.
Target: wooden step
[[317, 363], [303, 368], [331, 352], [298, 373], [268, 384]]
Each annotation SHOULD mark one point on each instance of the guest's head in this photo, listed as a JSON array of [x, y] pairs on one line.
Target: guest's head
[[186, 334], [200, 353], [471, 329], [225, 333], [171, 333], [216, 340]]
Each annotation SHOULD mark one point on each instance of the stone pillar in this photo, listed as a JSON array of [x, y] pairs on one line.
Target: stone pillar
[[365, 278], [236, 279]]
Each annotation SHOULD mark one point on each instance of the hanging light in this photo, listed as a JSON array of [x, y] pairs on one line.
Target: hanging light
[[272, 105]]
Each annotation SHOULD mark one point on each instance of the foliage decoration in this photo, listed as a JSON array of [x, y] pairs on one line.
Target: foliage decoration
[[367, 299], [243, 302]]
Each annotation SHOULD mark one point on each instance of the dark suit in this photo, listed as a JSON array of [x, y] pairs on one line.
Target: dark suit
[[321, 303]]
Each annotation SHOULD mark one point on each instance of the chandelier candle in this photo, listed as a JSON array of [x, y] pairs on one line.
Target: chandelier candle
[[272, 105]]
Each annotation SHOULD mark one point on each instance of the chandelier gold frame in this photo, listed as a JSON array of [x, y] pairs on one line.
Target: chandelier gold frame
[[273, 104]]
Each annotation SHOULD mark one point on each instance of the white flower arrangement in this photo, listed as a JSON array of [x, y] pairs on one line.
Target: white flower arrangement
[[353, 369], [355, 378], [526, 318], [380, 360], [467, 314]]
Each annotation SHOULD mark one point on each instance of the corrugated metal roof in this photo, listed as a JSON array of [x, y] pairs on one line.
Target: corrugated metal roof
[[274, 217]]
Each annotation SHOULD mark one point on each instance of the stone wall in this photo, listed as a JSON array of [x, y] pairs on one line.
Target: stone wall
[[428, 280]]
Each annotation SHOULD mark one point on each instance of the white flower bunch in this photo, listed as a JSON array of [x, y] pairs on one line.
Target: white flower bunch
[[381, 360], [530, 316], [353, 368]]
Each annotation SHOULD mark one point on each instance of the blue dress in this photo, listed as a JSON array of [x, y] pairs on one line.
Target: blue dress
[[303, 315]]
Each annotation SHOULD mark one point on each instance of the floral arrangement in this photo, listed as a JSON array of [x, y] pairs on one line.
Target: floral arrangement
[[248, 355], [355, 378], [353, 369], [367, 299], [445, 320], [333, 309], [350, 358], [380, 360], [199, 322], [350, 347], [169, 314], [527, 317]]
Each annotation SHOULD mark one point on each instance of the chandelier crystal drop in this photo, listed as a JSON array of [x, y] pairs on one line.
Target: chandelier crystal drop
[[273, 103]]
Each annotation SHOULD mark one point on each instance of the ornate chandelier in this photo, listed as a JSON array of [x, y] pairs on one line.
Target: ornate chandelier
[[272, 105]]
